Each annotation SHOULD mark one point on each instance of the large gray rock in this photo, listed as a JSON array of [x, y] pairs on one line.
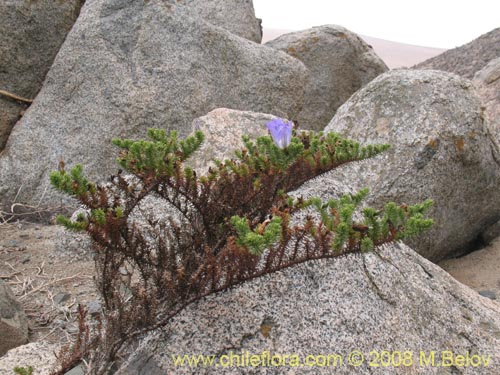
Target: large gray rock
[[39, 355], [440, 149], [223, 129], [339, 63], [391, 300], [130, 65], [468, 59], [10, 113], [31, 33], [487, 81], [13, 322], [237, 16]]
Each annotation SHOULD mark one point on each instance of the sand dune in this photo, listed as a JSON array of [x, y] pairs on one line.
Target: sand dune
[[394, 54]]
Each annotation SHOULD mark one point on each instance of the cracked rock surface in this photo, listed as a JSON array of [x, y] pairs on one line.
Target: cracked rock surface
[[441, 149], [31, 33], [468, 59], [127, 66], [13, 322], [339, 63], [487, 82], [235, 16], [392, 299]]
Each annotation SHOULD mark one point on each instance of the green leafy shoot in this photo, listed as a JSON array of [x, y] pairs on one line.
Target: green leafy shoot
[[23, 370], [260, 238], [159, 155], [74, 226], [72, 183], [397, 222]]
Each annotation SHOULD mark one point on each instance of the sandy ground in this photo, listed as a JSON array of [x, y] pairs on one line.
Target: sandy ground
[[479, 270], [49, 280]]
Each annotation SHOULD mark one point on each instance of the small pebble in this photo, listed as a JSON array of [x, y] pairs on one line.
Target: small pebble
[[59, 322], [94, 307], [488, 294], [61, 297], [78, 370], [72, 329]]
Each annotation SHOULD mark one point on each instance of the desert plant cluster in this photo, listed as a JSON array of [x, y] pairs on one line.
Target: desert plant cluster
[[215, 231]]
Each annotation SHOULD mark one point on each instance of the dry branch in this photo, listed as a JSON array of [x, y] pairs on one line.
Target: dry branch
[[15, 97], [44, 285]]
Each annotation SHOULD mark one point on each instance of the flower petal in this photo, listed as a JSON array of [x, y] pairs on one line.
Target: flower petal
[[281, 132]]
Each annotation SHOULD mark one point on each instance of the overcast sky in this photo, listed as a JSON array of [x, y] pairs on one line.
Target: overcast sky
[[429, 23]]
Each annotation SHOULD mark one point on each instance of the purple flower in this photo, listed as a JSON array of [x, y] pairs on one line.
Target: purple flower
[[281, 131]]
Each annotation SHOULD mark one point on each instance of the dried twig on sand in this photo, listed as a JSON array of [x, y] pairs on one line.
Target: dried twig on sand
[[44, 285], [15, 97]]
